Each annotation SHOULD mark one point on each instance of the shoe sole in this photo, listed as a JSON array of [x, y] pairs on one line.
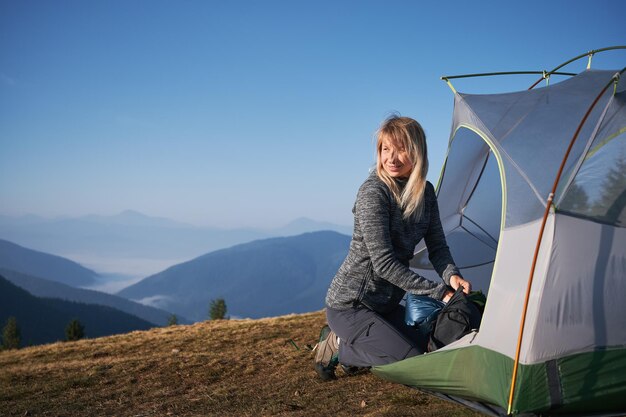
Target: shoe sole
[[326, 374]]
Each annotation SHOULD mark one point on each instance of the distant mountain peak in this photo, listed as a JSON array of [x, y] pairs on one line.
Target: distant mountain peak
[[303, 221], [132, 217], [306, 224], [131, 213]]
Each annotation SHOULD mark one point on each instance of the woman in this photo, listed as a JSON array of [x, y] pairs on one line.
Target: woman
[[395, 209]]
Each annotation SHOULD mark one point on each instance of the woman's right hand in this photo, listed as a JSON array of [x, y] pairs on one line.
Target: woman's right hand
[[456, 281]]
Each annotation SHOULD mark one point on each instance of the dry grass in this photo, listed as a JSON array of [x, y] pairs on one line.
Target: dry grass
[[214, 368]]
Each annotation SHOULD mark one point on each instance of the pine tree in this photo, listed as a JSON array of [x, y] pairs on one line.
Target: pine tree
[[217, 310], [11, 334], [74, 331], [172, 320]]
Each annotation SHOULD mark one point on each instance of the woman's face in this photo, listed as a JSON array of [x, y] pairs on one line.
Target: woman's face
[[395, 160]]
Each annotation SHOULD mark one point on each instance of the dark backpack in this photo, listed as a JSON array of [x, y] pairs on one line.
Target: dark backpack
[[459, 317]]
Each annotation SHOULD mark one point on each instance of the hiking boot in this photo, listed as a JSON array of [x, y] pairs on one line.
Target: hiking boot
[[326, 354], [353, 370]]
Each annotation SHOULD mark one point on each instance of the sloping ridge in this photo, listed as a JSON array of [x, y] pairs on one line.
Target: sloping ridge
[[43, 320], [44, 265], [49, 289], [264, 278]]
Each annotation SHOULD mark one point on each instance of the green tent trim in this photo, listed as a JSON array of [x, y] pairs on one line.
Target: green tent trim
[[593, 381]]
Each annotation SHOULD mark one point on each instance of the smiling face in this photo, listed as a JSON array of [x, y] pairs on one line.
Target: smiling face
[[394, 159]]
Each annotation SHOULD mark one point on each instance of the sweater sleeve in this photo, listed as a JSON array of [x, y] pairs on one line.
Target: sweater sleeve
[[372, 209], [438, 250]]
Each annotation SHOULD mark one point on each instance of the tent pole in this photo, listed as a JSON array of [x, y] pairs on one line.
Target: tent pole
[[449, 84], [615, 79], [589, 54], [446, 78], [544, 74]]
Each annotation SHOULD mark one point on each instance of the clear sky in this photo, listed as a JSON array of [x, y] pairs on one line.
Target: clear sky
[[232, 113]]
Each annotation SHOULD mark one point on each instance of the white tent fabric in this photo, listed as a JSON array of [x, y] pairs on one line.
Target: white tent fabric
[[504, 155], [578, 314]]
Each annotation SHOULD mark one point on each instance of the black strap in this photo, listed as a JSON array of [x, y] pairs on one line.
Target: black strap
[[554, 383]]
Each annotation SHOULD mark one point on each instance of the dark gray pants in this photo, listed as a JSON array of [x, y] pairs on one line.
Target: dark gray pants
[[369, 338]]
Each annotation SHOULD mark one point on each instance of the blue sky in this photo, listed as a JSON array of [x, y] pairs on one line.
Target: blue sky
[[232, 114]]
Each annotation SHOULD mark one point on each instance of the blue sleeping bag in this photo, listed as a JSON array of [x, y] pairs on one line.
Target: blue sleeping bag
[[421, 311]]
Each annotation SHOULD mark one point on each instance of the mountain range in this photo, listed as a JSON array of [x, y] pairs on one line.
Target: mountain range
[[268, 277], [262, 278], [134, 244]]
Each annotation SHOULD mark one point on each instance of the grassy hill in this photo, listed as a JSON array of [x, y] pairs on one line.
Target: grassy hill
[[213, 368]]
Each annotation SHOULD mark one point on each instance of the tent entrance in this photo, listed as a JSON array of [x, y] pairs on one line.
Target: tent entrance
[[470, 202]]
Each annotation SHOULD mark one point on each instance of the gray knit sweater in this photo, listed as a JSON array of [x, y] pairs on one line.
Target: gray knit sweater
[[376, 271]]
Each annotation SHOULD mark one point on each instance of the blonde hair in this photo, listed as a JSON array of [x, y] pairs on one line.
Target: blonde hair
[[406, 133]]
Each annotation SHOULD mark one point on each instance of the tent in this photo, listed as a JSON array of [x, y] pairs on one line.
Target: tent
[[533, 202]]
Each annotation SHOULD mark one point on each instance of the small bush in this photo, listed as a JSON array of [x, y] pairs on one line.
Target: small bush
[[217, 310], [11, 334], [74, 331]]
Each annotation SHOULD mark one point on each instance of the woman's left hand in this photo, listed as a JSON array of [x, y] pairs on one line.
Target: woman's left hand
[[456, 281]]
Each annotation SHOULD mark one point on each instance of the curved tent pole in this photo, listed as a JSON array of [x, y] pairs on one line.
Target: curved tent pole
[[614, 79], [589, 54], [488, 74], [544, 74]]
